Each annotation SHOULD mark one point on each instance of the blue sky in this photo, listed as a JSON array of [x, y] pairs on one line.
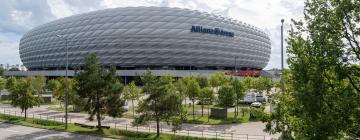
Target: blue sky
[[19, 16]]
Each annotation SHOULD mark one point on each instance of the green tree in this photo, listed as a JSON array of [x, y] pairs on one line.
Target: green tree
[[162, 103], [101, 89], [24, 95], [203, 81], [38, 83], [239, 89], [2, 70], [193, 93], [262, 84], [10, 83], [226, 96], [248, 82], [132, 92], [58, 88], [219, 79], [323, 56], [2, 83], [182, 87], [207, 97]]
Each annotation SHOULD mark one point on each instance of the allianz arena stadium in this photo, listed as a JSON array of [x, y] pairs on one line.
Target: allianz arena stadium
[[140, 38]]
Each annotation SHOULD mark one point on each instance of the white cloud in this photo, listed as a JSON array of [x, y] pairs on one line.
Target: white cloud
[[9, 51], [129, 3], [59, 9], [20, 17]]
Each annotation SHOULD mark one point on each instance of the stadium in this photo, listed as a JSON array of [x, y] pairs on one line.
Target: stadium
[[135, 39]]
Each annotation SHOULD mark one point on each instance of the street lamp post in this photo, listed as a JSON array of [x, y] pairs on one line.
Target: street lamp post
[[235, 86], [282, 55], [66, 81]]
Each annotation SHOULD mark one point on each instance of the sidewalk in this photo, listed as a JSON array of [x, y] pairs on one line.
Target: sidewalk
[[19, 132], [251, 130]]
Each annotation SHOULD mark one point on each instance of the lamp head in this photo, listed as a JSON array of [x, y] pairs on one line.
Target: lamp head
[[282, 20], [59, 36]]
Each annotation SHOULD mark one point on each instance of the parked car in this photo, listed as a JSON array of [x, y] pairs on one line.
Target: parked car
[[126, 106], [260, 98], [249, 98], [255, 104]]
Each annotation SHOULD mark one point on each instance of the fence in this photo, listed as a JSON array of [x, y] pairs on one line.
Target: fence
[[149, 128]]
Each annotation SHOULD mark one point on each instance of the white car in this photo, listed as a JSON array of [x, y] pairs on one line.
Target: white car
[[126, 106], [255, 104]]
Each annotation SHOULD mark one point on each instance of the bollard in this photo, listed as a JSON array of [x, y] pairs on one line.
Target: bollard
[[149, 128], [125, 126], [115, 125], [15, 113], [232, 136], [215, 135], [202, 133], [247, 137], [47, 117], [137, 128], [188, 132]]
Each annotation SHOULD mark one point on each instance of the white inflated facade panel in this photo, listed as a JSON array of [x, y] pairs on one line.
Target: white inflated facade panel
[[145, 36]]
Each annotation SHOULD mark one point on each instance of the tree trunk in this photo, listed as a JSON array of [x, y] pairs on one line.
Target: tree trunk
[[157, 127], [98, 115], [25, 114], [193, 109], [185, 101], [202, 110], [236, 109], [208, 112], [99, 120], [157, 120], [133, 108]]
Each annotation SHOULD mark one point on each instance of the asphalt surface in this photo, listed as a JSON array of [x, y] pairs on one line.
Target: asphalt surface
[[19, 132]]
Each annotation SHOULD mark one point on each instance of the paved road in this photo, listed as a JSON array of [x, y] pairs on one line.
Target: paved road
[[251, 128], [18, 132]]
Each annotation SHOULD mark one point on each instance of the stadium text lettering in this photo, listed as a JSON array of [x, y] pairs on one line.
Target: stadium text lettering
[[216, 31]]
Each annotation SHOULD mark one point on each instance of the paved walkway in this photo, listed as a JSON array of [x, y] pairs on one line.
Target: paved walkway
[[19, 132], [251, 130]]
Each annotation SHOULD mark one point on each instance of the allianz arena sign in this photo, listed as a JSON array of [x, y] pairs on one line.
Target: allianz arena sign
[[216, 31]]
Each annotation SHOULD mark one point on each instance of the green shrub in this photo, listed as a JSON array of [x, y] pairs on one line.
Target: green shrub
[[256, 113], [131, 134], [47, 122]]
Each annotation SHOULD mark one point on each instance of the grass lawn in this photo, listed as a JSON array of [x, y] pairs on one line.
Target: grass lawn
[[56, 102], [198, 118], [50, 103], [70, 108], [213, 121], [4, 101], [198, 107], [112, 133]]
